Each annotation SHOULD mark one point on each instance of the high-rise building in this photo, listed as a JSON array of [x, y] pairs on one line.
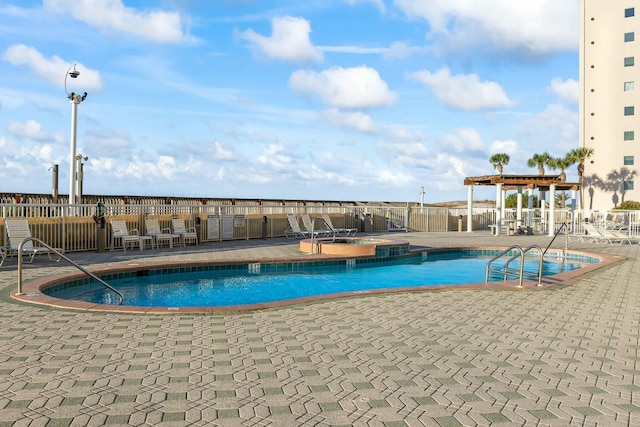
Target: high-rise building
[[609, 95]]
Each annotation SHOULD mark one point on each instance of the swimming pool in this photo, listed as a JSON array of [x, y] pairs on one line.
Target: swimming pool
[[238, 284]]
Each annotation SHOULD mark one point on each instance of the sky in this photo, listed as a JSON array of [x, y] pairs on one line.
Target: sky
[[342, 100]]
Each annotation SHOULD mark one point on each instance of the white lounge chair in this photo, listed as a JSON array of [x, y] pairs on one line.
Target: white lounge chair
[[618, 236], [119, 230], [294, 229], [309, 227], [17, 231], [160, 235], [186, 234], [602, 235], [339, 231]]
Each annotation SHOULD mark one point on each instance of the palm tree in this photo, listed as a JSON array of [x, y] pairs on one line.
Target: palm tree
[[539, 161], [499, 160], [561, 163], [579, 156]]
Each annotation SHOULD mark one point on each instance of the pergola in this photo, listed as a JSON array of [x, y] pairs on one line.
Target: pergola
[[546, 183]]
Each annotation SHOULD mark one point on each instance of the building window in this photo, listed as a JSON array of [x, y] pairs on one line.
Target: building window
[[629, 86], [629, 111], [629, 37], [629, 135], [628, 185], [628, 160], [628, 13], [628, 61]]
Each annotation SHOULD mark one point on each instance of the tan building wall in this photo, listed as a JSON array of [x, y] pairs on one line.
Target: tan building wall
[[610, 100]]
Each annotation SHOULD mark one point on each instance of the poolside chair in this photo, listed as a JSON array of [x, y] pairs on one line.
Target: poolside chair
[[595, 234], [186, 234], [294, 229], [17, 231], [120, 231], [160, 235], [619, 236], [339, 231], [309, 226]]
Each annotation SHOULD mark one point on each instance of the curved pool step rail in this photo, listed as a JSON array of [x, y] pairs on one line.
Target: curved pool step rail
[[512, 272], [526, 273], [61, 256]]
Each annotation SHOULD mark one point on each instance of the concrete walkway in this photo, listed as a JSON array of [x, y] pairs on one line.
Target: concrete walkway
[[566, 356]]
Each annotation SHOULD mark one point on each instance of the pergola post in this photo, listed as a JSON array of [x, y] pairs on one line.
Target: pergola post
[[469, 208], [519, 209], [552, 209], [498, 209]]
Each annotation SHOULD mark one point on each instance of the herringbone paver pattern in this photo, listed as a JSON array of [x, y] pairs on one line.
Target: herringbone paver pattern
[[566, 356]]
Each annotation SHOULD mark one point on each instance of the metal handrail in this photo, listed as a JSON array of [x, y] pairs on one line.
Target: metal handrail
[[61, 256], [566, 227], [540, 266], [507, 272], [313, 223]]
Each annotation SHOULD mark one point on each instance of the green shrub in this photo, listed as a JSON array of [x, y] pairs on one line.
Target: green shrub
[[629, 205], [511, 201]]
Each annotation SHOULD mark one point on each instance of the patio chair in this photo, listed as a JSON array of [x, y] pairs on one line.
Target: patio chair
[[339, 231], [119, 230], [160, 235], [596, 234], [294, 229], [317, 232], [186, 234], [619, 236], [18, 230]]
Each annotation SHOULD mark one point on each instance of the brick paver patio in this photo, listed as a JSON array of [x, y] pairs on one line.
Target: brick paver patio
[[566, 356]]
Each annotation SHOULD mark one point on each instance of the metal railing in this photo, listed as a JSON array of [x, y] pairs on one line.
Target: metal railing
[[74, 229], [61, 256], [505, 271]]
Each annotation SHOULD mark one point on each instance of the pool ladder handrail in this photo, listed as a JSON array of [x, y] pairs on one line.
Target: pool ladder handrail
[[506, 271], [313, 224], [61, 256]]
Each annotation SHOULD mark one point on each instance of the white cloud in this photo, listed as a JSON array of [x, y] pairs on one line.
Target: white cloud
[[462, 140], [359, 87], [377, 3], [406, 154], [503, 146], [112, 143], [289, 40], [401, 50], [222, 153], [354, 50], [273, 157], [568, 91], [538, 26], [164, 167], [463, 91], [54, 69], [350, 120], [155, 25], [32, 130], [555, 129]]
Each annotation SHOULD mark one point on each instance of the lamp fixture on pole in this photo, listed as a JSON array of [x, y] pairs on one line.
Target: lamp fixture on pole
[[74, 99]]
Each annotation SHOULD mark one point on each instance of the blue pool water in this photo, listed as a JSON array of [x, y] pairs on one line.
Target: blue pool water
[[259, 283]]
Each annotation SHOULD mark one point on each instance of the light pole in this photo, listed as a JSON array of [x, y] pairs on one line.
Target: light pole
[[74, 99]]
